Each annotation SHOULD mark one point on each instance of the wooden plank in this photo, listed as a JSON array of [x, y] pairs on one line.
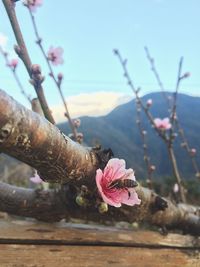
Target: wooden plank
[[62, 233], [88, 256]]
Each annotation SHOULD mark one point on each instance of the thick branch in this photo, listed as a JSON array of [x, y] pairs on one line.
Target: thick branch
[[32, 139]]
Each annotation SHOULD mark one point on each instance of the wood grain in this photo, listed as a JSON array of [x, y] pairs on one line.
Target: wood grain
[[21, 231], [90, 256], [35, 244]]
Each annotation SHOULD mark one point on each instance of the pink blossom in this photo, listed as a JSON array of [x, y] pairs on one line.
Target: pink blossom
[[149, 102], [33, 4], [193, 152], [162, 124], [115, 171], [13, 63], [36, 178], [55, 55]]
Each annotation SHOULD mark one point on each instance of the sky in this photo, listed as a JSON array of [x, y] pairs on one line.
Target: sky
[[88, 31]]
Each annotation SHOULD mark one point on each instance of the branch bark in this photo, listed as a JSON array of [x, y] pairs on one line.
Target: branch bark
[[32, 139]]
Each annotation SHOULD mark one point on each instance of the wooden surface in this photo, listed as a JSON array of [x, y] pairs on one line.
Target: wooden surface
[[34, 244]]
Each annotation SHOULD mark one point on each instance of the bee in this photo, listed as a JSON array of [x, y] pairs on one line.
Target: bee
[[123, 184]]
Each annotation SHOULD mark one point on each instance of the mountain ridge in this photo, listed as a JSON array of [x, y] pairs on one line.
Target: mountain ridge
[[118, 130]]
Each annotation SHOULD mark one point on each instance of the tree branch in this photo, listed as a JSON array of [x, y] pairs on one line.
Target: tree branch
[[23, 54], [54, 205], [30, 138], [33, 140]]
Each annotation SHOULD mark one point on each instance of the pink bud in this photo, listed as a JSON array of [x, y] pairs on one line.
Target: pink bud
[[36, 69], [77, 123], [13, 63], [186, 75], [176, 188], [193, 152], [152, 168], [60, 76], [149, 103], [33, 4]]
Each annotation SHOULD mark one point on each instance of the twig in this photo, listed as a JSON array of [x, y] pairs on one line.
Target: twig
[[51, 74], [17, 79], [145, 147], [167, 139], [180, 129], [23, 54], [155, 72]]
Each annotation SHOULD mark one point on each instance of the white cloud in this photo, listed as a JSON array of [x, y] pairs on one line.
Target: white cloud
[[3, 40], [91, 104]]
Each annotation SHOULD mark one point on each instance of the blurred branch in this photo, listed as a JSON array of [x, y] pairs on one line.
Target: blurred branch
[[185, 143], [168, 140], [155, 72]]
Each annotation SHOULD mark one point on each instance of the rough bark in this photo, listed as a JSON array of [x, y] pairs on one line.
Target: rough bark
[[33, 140]]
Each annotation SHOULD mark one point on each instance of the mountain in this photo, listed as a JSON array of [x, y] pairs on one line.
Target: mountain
[[118, 130]]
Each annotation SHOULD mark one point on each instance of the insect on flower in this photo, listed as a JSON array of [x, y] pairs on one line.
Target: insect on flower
[[123, 184], [116, 184]]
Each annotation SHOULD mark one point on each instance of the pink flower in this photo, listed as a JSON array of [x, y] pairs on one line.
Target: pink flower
[[55, 55], [108, 184], [193, 152], [36, 178], [162, 124], [149, 103], [33, 4], [13, 63]]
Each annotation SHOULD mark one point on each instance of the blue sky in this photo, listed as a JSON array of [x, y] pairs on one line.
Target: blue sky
[[89, 31]]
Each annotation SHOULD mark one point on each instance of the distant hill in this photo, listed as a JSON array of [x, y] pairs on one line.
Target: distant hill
[[118, 130]]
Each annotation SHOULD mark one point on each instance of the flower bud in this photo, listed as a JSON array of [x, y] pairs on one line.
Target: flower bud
[[103, 207], [197, 174], [81, 201], [35, 68], [186, 75], [152, 168], [176, 188], [60, 76], [193, 152], [149, 103], [77, 123]]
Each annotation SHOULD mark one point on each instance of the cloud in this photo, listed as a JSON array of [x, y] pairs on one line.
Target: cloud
[[90, 104]]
